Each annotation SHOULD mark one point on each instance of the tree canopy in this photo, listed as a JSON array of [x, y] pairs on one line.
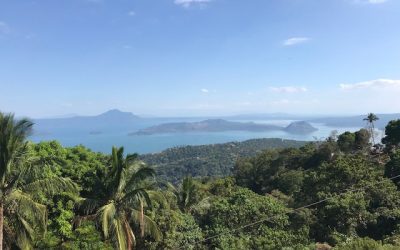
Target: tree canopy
[[320, 195]]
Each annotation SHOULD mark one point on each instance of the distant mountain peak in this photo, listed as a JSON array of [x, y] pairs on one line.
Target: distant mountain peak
[[300, 127], [113, 111], [116, 113], [215, 120]]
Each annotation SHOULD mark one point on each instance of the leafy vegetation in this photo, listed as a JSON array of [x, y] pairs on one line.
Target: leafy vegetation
[[215, 160], [342, 193]]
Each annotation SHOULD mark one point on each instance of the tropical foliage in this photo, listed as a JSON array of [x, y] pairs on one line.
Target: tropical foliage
[[127, 192], [216, 160], [22, 217], [334, 194]]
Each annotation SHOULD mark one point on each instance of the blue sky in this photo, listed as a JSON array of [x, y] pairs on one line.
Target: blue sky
[[199, 57]]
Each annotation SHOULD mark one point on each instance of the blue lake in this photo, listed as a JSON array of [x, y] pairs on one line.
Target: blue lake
[[104, 140]]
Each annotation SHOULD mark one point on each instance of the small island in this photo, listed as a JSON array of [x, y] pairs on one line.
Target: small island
[[300, 127], [220, 125]]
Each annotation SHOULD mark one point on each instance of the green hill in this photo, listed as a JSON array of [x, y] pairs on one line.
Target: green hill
[[209, 160]]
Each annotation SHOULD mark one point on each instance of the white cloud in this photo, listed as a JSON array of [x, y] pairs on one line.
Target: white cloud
[[294, 103], [205, 90], [288, 89], [295, 40], [376, 1], [188, 3], [370, 1], [4, 27], [131, 13], [373, 84]]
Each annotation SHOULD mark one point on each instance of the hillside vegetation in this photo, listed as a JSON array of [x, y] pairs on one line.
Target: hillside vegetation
[[216, 160], [341, 193]]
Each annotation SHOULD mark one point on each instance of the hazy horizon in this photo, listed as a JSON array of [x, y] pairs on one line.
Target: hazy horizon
[[227, 115], [174, 58]]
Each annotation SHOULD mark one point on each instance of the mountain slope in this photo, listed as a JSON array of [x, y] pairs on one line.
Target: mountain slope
[[112, 118], [219, 125], [300, 127]]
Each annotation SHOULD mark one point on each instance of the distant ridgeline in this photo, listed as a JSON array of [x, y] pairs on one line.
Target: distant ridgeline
[[209, 160], [219, 125], [115, 119]]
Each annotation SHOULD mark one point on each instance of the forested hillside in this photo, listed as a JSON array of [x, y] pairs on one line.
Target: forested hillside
[[342, 193], [215, 160]]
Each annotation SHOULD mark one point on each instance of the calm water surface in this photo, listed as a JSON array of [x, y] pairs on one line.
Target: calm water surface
[[103, 141]]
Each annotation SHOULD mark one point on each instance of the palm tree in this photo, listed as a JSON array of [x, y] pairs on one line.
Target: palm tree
[[371, 119], [20, 215], [187, 196], [129, 192]]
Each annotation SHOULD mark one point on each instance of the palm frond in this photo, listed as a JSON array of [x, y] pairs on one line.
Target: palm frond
[[29, 211], [150, 226], [106, 215], [129, 232], [87, 205], [121, 183], [117, 167], [12, 183], [12, 142], [24, 233], [131, 158], [171, 187], [27, 227], [158, 197], [23, 242], [23, 128], [120, 235], [136, 195], [141, 174], [51, 186]]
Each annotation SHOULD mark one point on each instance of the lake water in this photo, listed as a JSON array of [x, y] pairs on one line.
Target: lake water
[[103, 141]]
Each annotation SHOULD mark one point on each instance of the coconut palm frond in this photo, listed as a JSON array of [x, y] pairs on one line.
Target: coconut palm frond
[[12, 142], [12, 183], [141, 174], [117, 166], [23, 241], [131, 158], [128, 189], [120, 234], [135, 196], [158, 197], [131, 238], [88, 206], [51, 186], [150, 226], [106, 215], [28, 209], [170, 187], [26, 227]]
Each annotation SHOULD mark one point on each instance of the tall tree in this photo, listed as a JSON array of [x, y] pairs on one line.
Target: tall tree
[[20, 214], [371, 119], [188, 196], [392, 132], [122, 209]]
